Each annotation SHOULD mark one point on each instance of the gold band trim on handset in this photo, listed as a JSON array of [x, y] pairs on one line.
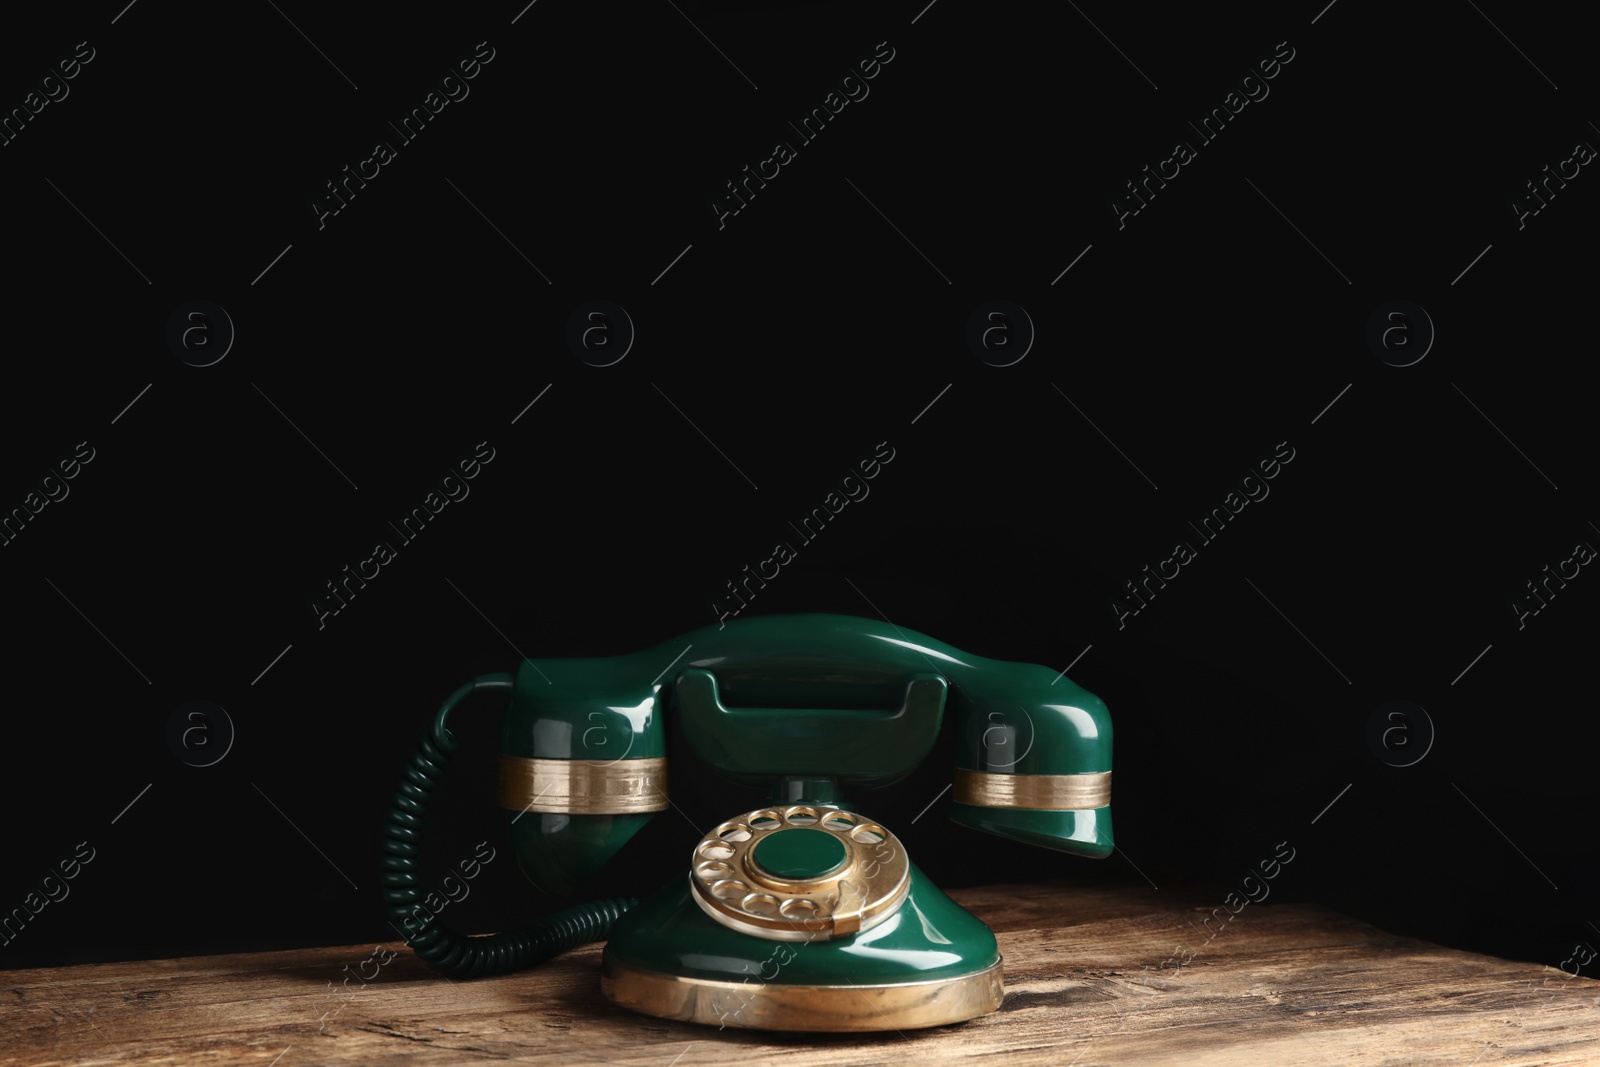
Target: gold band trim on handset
[[1049, 792], [583, 787]]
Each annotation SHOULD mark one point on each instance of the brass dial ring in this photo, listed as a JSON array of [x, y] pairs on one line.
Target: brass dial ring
[[866, 885]]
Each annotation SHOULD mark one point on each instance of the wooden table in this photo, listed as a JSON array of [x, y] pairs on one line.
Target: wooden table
[[1092, 977]]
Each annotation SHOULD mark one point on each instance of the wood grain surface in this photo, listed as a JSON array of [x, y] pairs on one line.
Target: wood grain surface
[[1092, 977]]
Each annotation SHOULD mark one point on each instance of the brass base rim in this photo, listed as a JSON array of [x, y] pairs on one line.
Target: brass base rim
[[764, 1005]]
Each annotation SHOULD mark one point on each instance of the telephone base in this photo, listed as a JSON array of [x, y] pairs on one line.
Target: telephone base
[[932, 963], [814, 1008]]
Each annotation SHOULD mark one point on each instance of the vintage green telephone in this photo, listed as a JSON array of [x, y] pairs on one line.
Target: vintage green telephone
[[803, 914]]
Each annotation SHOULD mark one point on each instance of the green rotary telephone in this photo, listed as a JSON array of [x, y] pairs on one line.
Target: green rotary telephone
[[804, 914]]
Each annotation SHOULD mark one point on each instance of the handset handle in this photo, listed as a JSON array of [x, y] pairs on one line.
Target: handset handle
[[866, 661], [446, 950], [844, 742]]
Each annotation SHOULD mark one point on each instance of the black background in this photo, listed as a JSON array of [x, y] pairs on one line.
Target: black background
[[821, 320]]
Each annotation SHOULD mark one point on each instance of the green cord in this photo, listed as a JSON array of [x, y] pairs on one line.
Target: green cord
[[447, 951]]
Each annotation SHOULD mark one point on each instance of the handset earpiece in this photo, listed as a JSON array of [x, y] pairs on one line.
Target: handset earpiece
[[1033, 760]]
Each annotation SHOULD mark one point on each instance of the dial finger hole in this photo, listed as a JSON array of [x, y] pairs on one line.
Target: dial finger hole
[[712, 872], [760, 904], [802, 816], [839, 823], [716, 850], [734, 832], [765, 820], [729, 889], [869, 834], [799, 908]]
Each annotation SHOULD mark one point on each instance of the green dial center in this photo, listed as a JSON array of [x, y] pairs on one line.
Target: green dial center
[[799, 853]]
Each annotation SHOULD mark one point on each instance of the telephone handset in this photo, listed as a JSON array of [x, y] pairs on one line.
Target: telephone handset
[[804, 914]]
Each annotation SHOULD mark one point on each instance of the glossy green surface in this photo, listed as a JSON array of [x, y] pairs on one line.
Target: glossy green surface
[[1083, 833], [797, 852], [559, 852], [876, 745], [594, 709], [930, 937], [808, 700]]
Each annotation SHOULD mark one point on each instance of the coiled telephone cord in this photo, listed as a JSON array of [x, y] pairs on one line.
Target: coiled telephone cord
[[447, 951]]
